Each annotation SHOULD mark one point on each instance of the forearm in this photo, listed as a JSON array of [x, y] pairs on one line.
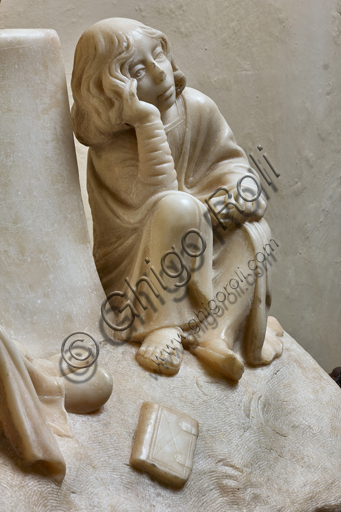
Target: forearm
[[156, 163]]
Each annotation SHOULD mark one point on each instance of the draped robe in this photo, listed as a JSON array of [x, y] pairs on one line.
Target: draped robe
[[125, 207], [32, 407]]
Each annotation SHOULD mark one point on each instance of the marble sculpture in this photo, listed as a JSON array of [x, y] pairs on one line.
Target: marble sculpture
[[163, 164], [48, 280], [158, 152]]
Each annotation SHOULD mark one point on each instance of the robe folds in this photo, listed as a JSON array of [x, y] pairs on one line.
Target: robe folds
[[130, 238], [32, 407]]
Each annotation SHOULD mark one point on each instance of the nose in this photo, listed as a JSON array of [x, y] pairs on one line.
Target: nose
[[158, 73]]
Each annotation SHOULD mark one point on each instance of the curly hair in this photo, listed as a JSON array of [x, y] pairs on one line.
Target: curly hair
[[100, 74]]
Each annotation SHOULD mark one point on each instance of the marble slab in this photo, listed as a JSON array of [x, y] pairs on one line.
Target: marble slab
[[271, 442], [48, 281]]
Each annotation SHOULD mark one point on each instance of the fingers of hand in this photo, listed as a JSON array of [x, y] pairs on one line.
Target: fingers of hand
[[262, 206], [242, 205], [258, 209], [247, 210], [133, 89], [130, 91]]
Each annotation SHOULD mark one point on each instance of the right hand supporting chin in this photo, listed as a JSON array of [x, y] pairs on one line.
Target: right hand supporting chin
[[136, 112]]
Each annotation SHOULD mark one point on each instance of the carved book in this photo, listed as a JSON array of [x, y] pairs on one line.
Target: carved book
[[164, 443]]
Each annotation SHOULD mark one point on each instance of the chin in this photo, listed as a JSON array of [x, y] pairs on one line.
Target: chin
[[167, 104]]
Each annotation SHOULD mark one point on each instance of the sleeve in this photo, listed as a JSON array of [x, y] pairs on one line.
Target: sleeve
[[132, 169], [215, 160]]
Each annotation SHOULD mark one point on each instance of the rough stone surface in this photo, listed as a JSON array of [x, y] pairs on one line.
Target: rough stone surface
[[48, 281], [270, 443]]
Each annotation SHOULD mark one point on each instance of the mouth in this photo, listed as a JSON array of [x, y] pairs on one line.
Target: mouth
[[167, 93]]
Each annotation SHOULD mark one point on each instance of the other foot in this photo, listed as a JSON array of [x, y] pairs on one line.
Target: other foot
[[216, 354], [162, 351], [273, 345]]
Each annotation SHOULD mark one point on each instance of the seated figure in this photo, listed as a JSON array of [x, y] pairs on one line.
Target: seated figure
[[162, 163]]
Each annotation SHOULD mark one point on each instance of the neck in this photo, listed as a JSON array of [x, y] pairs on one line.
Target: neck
[[169, 115]]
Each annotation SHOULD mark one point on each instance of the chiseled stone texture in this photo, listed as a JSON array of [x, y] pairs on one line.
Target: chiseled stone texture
[[48, 281], [270, 443]]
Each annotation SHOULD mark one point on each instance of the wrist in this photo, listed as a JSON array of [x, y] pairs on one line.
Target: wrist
[[151, 121]]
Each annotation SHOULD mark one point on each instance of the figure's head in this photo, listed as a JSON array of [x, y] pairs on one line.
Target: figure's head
[[104, 64]]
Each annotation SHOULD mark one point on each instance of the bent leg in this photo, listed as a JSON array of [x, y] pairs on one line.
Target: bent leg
[[221, 321], [242, 296], [233, 288], [259, 348], [180, 256]]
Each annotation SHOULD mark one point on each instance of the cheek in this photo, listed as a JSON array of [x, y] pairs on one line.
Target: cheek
[[144, 91], [168, 69]]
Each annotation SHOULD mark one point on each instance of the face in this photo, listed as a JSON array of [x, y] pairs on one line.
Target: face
[[153, 72]]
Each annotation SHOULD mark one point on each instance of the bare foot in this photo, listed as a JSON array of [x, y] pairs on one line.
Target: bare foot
[[274, 326], [162, 351], [273, 345], [217, 355]]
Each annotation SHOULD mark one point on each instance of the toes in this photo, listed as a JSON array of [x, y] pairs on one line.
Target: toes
[[233, 368], [273, 347], [274, 325], [159, 353], [142, 350], [158, 356], [150, 351]]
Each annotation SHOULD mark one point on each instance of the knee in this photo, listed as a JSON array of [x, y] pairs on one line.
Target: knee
[[179, 209]]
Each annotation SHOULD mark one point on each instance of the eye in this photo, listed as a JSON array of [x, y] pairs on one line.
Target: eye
[[160, 56], [158, 53], [138, 72]]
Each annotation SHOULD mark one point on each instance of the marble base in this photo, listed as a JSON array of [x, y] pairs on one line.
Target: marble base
[[271, 442], [48, 280]]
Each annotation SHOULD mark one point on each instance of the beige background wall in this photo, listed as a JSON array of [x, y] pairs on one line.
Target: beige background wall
[[274, 69]]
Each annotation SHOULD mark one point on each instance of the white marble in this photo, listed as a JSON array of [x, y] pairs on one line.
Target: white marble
[[177, 210], [48, 282], [274, 71], [268, 443], [164, 443], [49, 285]]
